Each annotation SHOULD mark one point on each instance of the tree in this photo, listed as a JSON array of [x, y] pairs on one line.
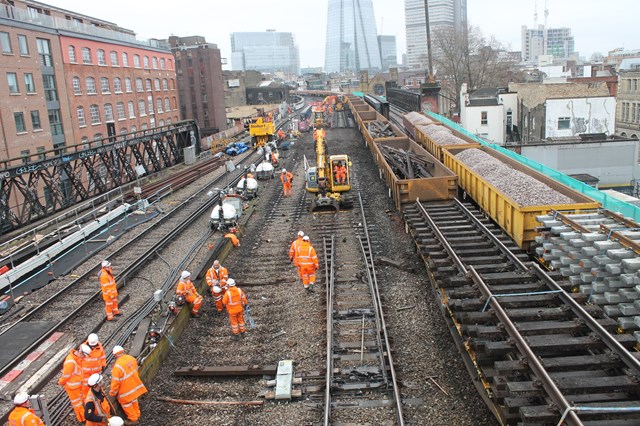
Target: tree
[[597, 57], [470, 58]]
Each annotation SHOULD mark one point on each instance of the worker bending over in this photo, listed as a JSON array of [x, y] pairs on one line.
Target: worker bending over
[[307, 263], [235, 300], [287, 179], [126, 384], [187, 290], [109, 290]]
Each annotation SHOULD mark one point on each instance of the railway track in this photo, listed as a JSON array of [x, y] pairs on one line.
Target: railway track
[[360, 375], [537, 353]]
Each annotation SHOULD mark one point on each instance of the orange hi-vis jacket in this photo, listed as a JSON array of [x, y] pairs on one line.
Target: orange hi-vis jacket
[[125, 382], [221, 276], [23, 416], [234, 299], [286, 177], [72, 373], [185, 288], [100, 409], [108, 283], [307, 255], [295, 246], [95, 361]]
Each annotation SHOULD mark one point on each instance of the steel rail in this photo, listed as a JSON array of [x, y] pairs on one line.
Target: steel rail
[[371, 270], [533, 361], [329, 265]]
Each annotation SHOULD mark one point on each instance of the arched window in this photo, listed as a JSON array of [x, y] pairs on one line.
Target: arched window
[[168, 120], [174, 103], [142, 110], [159, 105], [154, 63], [156, 84], [123, 131], [102, 57], [108, 112], [127, 85], [134, 129], [143, 126], [125, 59], [86, 55], [161, 123], [162, 63], [120, 110], [165, 84], [139, 87], [147, 84], [146, 62], [90, 83], [77, 90], [173, 84], [104, 85], [85, 142], [82, 122], [117, 85], [167, 106], [72, 54], [132, 110], [136, 61], [94, 112], [114, 58]]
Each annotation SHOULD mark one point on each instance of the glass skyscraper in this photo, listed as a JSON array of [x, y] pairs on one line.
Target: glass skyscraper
[[352, 37], [267, 51]]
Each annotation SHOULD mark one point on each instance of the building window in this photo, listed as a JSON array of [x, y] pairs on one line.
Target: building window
[[146, 62], [29, 85], [484, 118], [156, 84], [86, 55], [19, 118], [90, 82], [82, 122], [159, 105], [635, 85], [125, 59], [5, 41], [134, 129], [633, 113], [72, 54], [108, 112], [77, 90], [132, 110], [23, 45], [136, 61], [94, 112], [143, 126], [113, 55], [167, 107], [40, 150], [162, 63], [12, 82], [564, 123], [147, 84], [124, 131], [104, 85], [141, 108], [120, 110], [150, 107], [85, 142], [44, 52], [55, 120], [102, 57], [154, 63], [127, 85], [161, 123], [165, 84], [25, 153], [50, 92], [139, 86], [117, 85], [35, 120]]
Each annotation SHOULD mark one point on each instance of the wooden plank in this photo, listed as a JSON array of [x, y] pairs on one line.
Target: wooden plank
[[226, 371], [141, 337]]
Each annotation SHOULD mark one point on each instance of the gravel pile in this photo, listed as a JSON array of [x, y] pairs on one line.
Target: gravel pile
[[520, 187], [290, 323], [416, 118], [441, 135]]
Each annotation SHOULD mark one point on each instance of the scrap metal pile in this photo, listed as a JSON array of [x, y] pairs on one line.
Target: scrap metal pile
[[380, 129], [407, 164]]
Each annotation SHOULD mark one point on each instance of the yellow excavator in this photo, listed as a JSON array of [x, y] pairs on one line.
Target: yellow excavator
[[262, 131], [329, 179]]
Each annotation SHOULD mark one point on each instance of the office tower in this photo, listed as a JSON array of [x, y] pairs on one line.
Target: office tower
[[387, 44], [442, 14], [352, 43], [267, 51], [557, 42]]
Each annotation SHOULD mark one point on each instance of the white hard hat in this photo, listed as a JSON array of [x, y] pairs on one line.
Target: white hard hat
[[185, 274], [116, 421], [216, 289], [94, 379], [305, 238], [85, 349], [284, 170], [300, 234], [106, 263], [117, 350], [231, 282], [92, 340], [20, 398]]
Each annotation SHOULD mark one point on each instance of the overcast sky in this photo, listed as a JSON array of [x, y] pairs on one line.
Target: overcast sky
[[597, 25]]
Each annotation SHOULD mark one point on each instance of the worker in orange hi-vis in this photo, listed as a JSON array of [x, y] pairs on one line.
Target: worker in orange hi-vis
[[234, 239], [109, 290], [342, 174], [96, 360], [235, 300], [287, 179], [189, 292], [294, 248], [74, 381], [23, 414], [217, 277], [307, 263], [126, 384]]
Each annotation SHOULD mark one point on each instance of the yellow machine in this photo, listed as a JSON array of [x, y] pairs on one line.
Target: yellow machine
[[261, 131], [329, 179], [318, 116]]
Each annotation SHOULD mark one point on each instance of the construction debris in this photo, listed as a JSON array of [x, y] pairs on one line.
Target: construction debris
[[407, 164], [379, 129]]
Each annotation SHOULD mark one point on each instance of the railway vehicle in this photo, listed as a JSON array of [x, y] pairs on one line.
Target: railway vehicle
[[306, 113], [403, 99], [319, 119], [247, 188], [226, 213], [262, 131], [321, 179], [378, 103], [265, 170]]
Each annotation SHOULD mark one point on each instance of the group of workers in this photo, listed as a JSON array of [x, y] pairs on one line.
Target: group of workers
[[305, 259], [224, 292], [82, 379]]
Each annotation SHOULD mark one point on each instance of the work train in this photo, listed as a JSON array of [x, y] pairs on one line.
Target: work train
[[442, 144]]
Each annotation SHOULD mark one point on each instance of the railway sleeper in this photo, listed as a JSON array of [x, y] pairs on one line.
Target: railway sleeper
[[576, 385], [550, 345], [567, 363], [527, 314], [510, 302], [546, 413], [572, 327]]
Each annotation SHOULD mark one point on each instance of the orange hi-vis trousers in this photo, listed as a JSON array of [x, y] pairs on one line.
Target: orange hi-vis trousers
[[237, 322], [111, 305], [77, 401], [196, 300], [131, 409], [307, 274]]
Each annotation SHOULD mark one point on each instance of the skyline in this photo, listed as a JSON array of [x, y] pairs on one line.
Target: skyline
[[595, 29]]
